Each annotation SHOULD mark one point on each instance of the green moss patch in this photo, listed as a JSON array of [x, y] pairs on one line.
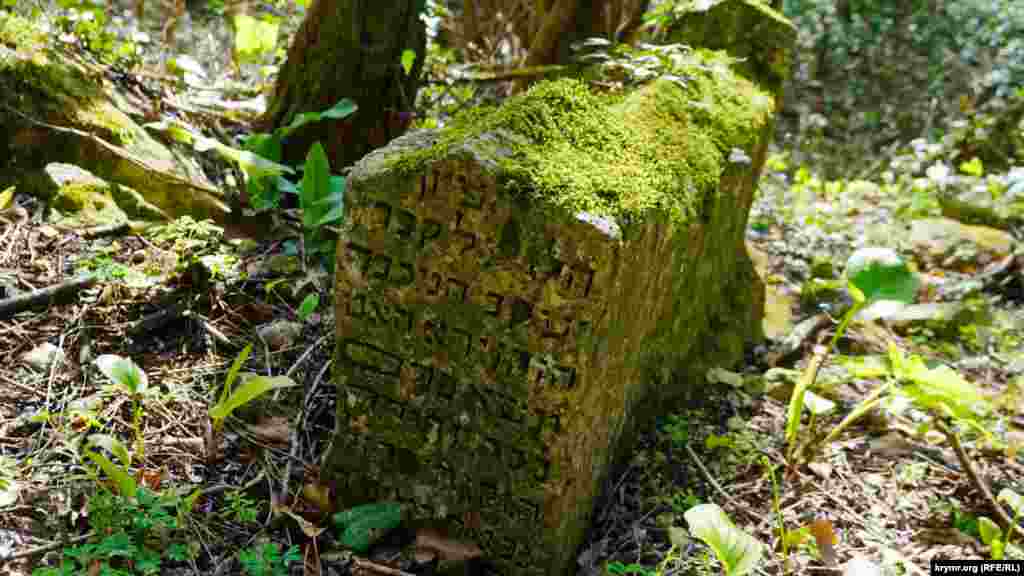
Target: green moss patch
[[660, 147]]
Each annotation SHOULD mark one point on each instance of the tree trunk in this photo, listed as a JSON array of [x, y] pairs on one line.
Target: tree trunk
[[350, 49]]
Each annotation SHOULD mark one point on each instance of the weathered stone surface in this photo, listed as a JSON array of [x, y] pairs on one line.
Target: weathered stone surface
[[515, 292], [55, 110], [747, 29], [78, 198]]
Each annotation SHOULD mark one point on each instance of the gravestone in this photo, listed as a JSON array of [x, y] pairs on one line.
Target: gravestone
[[515, 292]]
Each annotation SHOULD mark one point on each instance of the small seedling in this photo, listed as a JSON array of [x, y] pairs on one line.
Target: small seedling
[[240, 507], [267, 560], [127, 528], [880, 283], [252, 388], [991, 534], [737, 551], [129, 377]]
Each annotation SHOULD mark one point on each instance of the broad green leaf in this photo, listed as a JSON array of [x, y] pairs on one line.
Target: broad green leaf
[[341, 110], [363, 525], [315, 185], [408, 59], [123, 372], [989, 530], [250, 390], [254, 166], [333, 216], [286, 185], [998, 549], [335, 201], [738, 551], [233, 371], [337, 187], [1013, 500], [126, 485], [112, 445], [299, 121], [266, 145], [880, 274], [177, 130], [941, 388], [309, 304]]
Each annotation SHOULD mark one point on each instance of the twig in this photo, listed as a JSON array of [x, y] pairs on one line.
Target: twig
[[45, 548], [106, 230], [294, 436], [968, 466], [304, 355], [714, 483], [15, 304], [379, 568]]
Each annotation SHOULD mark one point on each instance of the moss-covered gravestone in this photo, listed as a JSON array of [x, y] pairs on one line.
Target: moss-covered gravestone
[[516, 291]]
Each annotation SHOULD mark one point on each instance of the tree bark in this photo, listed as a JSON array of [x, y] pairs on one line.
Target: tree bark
[[350, 49]]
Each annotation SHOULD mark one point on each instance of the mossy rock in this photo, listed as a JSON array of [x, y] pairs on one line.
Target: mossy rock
[[519, 291]]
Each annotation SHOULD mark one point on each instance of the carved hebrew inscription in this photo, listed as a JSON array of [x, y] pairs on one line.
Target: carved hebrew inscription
[[448, 329]]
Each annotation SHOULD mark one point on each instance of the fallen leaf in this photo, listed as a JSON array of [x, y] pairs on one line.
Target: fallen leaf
[[447, 549], [826, 539], [318, 495]]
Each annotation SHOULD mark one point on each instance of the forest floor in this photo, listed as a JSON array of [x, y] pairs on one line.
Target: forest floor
[[889, 489]]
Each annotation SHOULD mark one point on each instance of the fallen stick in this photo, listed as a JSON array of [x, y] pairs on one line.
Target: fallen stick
[[13, 305]]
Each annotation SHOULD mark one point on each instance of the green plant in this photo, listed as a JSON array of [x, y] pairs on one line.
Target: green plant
[[252, 387], [133, 537], [127, 376], [240, 507], [682, 501], [265, 182], [308, 306], [677, 426], [321, 199], [267, 560], [634, 568], [777, 507], [880, 283], [991, 534], [639, 569], [737, 551], [363, 525]]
